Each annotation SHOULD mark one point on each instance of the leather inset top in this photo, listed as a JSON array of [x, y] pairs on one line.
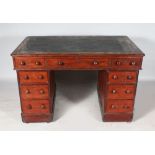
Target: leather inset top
[[77, 44]]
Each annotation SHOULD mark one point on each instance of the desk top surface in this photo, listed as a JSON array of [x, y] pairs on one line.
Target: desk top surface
[[77, 45]]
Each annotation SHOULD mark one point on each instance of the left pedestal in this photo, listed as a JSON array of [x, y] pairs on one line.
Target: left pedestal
[[37, 90]]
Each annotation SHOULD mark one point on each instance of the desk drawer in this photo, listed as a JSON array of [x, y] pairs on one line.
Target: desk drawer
[[122, 77], [119, 106], [121, 91], [33, 77], [29, 63], [34, 92], [94, 63], [77, 63], [128, 63], [36, 107], [61, 63]]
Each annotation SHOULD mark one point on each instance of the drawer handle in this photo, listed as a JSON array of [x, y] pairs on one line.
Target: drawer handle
[[29, 106], [126, 107], [26, 77], [113, 106], [95, 62], [133, 63], [115, 77], [38, 63], [27, 91], [41, 77], [129, 77], [114, 91], [42, 91], [118, 62], [23, 63], [128, 91], [43, 106], [61, 63]]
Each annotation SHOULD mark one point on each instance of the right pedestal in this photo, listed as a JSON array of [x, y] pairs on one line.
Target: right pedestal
[[117, 90]]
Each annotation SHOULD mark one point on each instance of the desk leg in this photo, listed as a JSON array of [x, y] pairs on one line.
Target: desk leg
[[116, 97], [37, 93]]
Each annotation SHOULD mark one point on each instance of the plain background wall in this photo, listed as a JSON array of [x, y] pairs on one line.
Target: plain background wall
[[12, 34]]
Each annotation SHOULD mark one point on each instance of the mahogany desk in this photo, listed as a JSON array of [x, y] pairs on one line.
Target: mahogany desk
[[117, 59]]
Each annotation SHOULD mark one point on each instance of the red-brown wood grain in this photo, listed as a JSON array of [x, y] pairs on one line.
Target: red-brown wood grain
[[116, 106], [31, 77], [36, 106], [123, 63], [117, 117], [29, 63], [121, 91], [77, 62], [117, 59], [34, 91], [122, 77], [35, 118], [119, 106]]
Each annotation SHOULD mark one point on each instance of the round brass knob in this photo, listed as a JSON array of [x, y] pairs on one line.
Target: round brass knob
[[29, 106], [42, 91], [40, 76], [26, 77], [22, 63], [129, 77], [37, 63], [61, 63], [115, 77], [118, 62], [114, 91], [113, 106], [43, 106], [133, 63], [95, 62], [128, 91], [27, 91]]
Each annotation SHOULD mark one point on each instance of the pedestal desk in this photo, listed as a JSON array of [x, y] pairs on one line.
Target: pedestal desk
[[116, 58]]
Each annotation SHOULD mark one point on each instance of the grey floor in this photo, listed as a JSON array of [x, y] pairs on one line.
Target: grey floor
[[76, 106]]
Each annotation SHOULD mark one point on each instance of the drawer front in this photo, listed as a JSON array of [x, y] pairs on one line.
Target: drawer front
[[121, 91], [131, 63], [36, 106], [119, 106], [33, 77], [61, 63], [34, 92], [29, 63], [77, 63], [93, 63], [122, 77]]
